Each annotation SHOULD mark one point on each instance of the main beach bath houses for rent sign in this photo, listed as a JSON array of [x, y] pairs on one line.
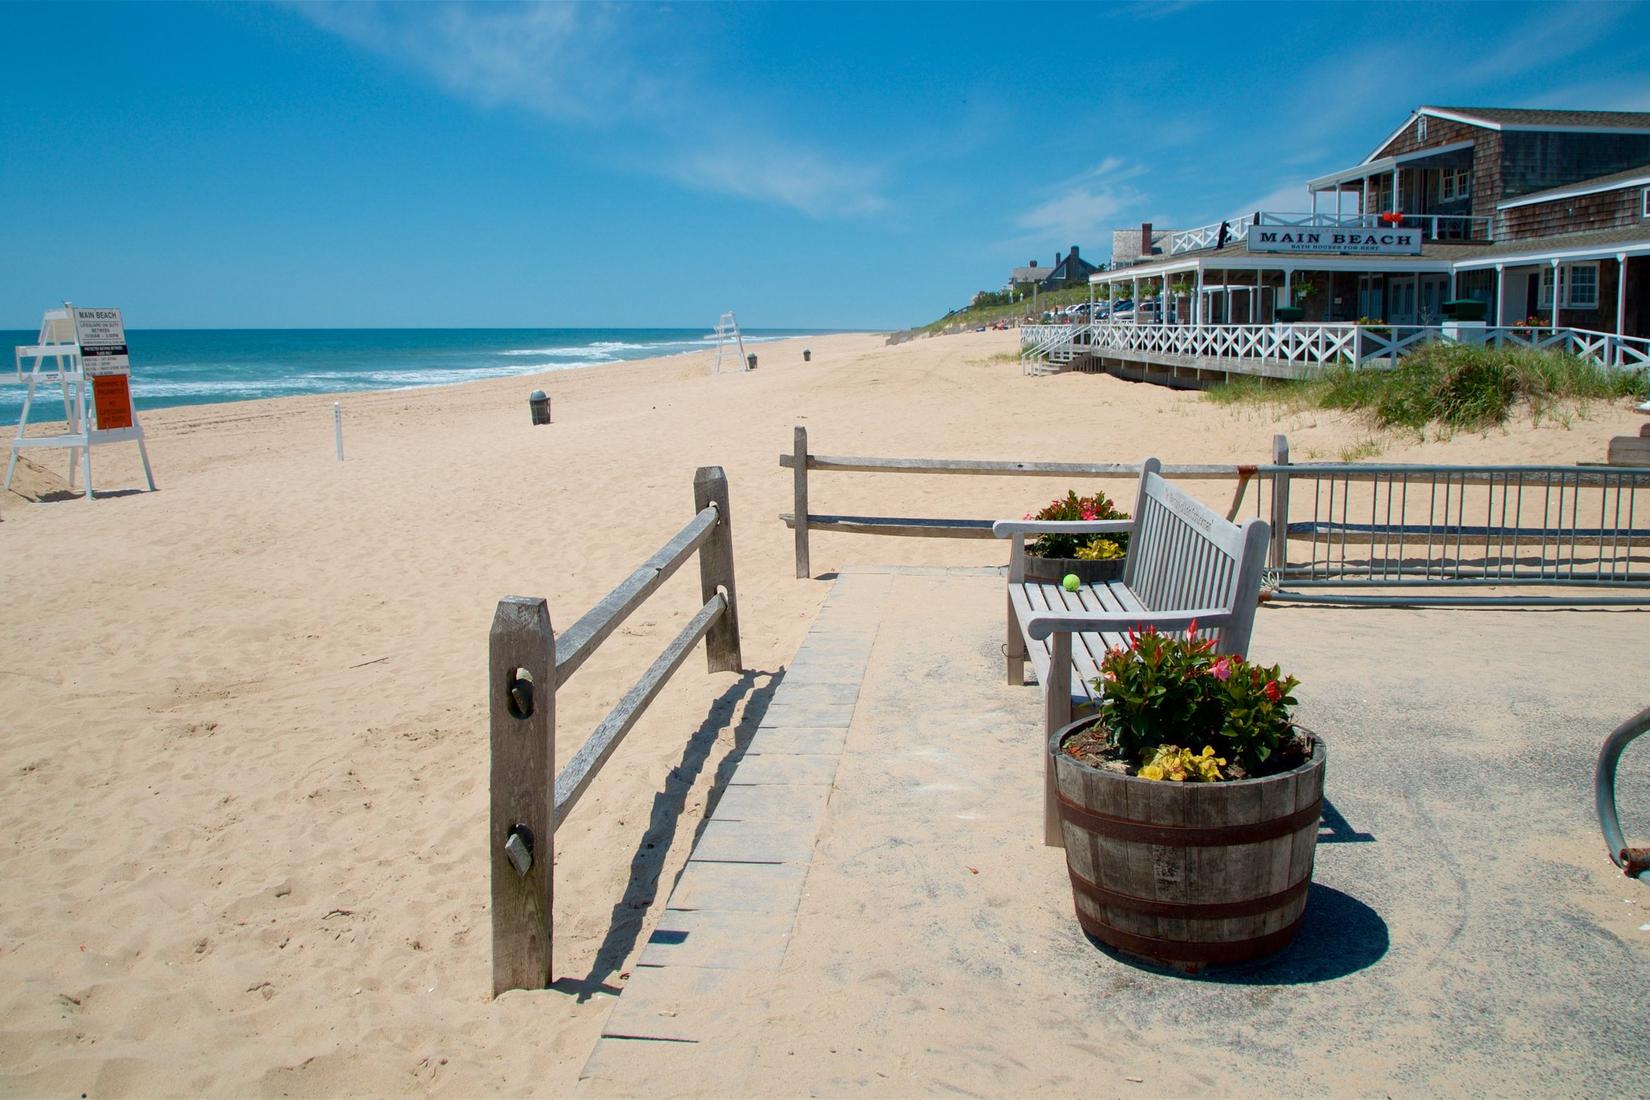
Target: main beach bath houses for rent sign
[[1335, 240]]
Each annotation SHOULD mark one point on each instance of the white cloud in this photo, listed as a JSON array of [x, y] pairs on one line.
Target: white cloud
[[1085, 207], [586, 65]]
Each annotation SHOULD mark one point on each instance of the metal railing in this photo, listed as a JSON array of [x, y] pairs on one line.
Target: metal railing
[[1320, 345], [526, 665], [1398, 525], [1634, 862]]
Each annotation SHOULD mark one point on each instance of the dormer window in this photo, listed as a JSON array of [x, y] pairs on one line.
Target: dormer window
[[1421, 128]]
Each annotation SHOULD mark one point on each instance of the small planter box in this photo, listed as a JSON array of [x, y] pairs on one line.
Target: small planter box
[[1290, 314], [1187, 874], [1054, 570]]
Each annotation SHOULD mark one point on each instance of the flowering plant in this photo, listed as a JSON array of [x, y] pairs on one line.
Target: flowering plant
[[1089, 547], [1167, 692]]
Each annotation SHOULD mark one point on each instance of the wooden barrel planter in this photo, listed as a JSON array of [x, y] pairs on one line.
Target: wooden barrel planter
[[1188, 874], [1054, 570]]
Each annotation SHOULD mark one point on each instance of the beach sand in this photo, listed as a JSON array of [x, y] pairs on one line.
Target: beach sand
[[245, 749]]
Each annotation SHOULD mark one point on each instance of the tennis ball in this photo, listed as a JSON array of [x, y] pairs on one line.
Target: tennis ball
[[1071, 583]]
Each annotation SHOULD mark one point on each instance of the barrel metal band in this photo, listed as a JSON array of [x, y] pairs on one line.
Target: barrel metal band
[[1197, 836], [1183, 951], [1186, 910]]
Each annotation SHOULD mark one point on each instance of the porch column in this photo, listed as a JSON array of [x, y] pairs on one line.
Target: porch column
[[1500, 289], [1451, 283], [1621, 302], [1254, 300], [1558, 293], [1226, 288], [1397, 199], [1314, 208], [1163, 302], [1197, 303], [1364, 209]]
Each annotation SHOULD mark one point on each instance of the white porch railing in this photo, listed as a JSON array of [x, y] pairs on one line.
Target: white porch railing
[[1322, 344], [1207, 236], [1434, 227]]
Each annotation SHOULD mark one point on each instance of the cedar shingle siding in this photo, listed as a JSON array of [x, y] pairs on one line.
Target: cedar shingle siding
[[1536, 161], [1605, 210], [1486, 156]]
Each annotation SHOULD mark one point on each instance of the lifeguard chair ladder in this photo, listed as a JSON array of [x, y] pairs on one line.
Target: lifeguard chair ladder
[[58, 358], [727, 332]]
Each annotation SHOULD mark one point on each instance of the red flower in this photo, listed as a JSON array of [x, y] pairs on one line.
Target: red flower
[[1273, 692]]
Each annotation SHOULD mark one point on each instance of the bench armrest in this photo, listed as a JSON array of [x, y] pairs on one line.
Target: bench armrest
[[1044, 623], [1004, 528]]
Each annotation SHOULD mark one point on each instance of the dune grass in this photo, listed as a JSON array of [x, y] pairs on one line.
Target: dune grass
[[1452, 385]]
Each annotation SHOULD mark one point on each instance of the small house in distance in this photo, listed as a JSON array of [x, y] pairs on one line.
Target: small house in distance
[[1068, 270]]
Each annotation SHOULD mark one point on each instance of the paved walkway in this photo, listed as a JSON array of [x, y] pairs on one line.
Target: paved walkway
[[869, 909]]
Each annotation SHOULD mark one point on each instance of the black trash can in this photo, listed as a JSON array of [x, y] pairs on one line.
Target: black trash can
[[539, 401], [807, 355], [750, 361]]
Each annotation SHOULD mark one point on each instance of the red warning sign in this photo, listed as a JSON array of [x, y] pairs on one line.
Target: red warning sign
[[112, 397]]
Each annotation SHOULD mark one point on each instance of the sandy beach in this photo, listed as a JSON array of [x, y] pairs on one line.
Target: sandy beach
[[245, 754]]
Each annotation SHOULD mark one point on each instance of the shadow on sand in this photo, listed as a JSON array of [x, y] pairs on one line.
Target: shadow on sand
[[647, 862]]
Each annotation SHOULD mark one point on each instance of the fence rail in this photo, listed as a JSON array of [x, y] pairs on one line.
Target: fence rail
[[528, 801], [1324, 345], [1349, 526]]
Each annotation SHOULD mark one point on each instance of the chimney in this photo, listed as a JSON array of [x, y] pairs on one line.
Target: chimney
[[1145, 238], [1033, 263], [1056, 259], [1074, 255]]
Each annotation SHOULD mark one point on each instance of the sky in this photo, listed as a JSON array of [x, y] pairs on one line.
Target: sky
[[808, 165]]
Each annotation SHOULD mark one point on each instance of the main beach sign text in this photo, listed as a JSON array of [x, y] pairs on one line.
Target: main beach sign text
[[1362, 242]]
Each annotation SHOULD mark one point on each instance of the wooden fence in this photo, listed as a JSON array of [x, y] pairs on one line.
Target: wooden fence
[[527, 664], [800, 462]]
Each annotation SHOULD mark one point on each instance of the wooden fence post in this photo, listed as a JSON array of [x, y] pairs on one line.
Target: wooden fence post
[[710, 486], [1280, 503], [521, 829], [799, 482]]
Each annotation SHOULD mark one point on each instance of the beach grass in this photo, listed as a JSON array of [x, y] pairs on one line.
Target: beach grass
[[1451, 385]]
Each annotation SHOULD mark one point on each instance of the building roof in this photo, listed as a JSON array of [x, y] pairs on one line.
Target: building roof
[[1528, 118], [1029, 274], [1626, 178], [1634, 239]]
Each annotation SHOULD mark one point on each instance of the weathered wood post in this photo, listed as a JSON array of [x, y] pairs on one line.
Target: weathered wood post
[[710, 488], [1280, 502], [799, 507], [521, 701]]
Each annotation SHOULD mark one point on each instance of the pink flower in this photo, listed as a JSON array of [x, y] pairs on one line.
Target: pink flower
[[1273, 692], [1222, 669]]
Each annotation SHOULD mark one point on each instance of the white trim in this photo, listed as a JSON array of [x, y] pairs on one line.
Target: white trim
[[1392, 137], [1385, 164], [1245, 261], [1573, 192], [1646, 198]]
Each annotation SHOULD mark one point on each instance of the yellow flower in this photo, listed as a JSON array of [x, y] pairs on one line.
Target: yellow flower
[[1151, 771]]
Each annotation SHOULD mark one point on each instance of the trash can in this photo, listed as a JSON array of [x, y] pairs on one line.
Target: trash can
[[807, 355], [540, 404], [750, 361]]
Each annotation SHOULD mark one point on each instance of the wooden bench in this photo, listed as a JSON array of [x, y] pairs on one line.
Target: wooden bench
[[1185, 562]]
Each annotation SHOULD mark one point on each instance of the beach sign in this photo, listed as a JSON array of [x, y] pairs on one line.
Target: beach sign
[[102, 340], [112, 398]]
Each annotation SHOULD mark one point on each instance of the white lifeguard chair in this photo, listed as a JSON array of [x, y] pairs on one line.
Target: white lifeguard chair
[[80, 349], [727, 332]]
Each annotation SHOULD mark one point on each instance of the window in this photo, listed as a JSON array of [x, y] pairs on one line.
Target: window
[[1646, 198], [1580, 286], [1455, 183], [1421, 128]]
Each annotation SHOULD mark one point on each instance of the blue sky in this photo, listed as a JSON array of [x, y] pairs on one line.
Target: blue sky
[[865, 165]]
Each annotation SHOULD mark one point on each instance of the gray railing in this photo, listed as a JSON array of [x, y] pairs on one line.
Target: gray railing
[[527, 665]]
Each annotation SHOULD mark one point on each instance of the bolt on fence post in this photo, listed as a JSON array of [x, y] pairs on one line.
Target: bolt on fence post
[[521, 826], [799, 505], [710, 487]]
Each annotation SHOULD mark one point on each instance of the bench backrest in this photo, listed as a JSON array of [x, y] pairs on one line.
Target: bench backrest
[[1184, 555]]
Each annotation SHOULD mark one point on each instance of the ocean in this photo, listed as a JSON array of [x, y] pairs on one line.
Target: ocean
[[199, 366]]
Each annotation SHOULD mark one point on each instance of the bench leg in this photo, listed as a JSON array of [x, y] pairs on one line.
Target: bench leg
[[1016, 649], [1056, 713]]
